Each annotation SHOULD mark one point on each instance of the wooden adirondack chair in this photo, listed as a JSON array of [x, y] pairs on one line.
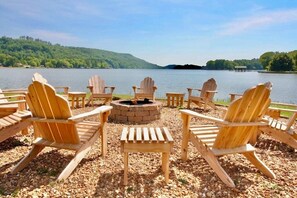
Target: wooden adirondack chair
[[282, 131], [99, 90], [207, 93], [54, 126], [231, 134], [146, 90]]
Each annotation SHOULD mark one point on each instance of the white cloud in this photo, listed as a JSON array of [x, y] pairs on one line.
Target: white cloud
[[259, 20], [55, 37]]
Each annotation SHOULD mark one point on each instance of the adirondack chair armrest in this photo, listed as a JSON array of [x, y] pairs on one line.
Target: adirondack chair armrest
[[135, 89], [211, 91], [14, 91], [96, 111], [64, 88], [191, 89], [235, 94], [284, 104], [91, 88], [13, 102], [110, 87], [220, 121], [282, 109], [155, 88], [199, 115], [22, 96]]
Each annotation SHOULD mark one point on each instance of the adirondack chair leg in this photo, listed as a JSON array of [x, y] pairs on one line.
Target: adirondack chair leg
[[189, 102], [106, 100], [251, 156], [212, 160], [254, 137], [282, 136], [205, 105], [79, 155], [103, 133], [25, 161], [215, 165], [212, 105], [185, 138], [103, 143], [89, 100]]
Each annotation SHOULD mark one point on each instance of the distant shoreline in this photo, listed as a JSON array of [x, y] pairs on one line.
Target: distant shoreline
[[278, 72]]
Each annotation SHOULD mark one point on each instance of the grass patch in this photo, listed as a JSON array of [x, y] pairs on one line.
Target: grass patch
[[284, 113], [1, 191], [129, 189], [183, 181], [42, 171], [222, 102], [121, 96], [15, 192]]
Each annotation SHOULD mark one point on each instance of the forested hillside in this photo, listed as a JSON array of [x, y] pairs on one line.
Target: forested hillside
[[35, 52]]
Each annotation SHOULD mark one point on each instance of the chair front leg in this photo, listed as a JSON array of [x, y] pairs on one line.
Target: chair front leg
[[185, 136]]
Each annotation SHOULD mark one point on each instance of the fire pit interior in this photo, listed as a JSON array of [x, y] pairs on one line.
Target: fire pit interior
[[135, 112]]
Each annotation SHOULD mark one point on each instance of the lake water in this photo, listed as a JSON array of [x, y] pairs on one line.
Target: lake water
[[284, 85]]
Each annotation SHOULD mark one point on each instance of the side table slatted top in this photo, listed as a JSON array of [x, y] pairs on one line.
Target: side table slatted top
[[146, 135]]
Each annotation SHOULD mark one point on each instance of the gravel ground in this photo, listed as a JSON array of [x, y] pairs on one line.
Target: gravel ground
[[96, 176]]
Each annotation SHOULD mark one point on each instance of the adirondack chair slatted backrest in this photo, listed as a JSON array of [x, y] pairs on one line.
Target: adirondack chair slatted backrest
[[45, 103], [98, 84], [248, 108], [209, 85], [147, 85]]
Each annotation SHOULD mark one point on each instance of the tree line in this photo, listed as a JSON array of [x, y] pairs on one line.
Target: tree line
[[35, 52], [222, 64], [279, 61], [270, 61]]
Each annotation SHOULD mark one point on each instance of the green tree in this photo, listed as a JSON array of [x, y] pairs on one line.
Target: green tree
[[281, 62], [266, 58]]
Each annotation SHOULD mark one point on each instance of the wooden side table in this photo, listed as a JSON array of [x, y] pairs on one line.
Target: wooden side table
[[147, 140], [76, 96], [175, 99]]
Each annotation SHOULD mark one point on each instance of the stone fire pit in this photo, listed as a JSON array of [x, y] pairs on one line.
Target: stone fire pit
[[141, 113]]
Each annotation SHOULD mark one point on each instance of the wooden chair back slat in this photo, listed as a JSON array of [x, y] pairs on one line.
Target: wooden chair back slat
[[45, 103], [147, 85], [248, 108], [98, 84], [209, 85]]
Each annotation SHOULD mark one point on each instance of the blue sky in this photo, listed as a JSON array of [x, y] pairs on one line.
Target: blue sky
[[158, 31]]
